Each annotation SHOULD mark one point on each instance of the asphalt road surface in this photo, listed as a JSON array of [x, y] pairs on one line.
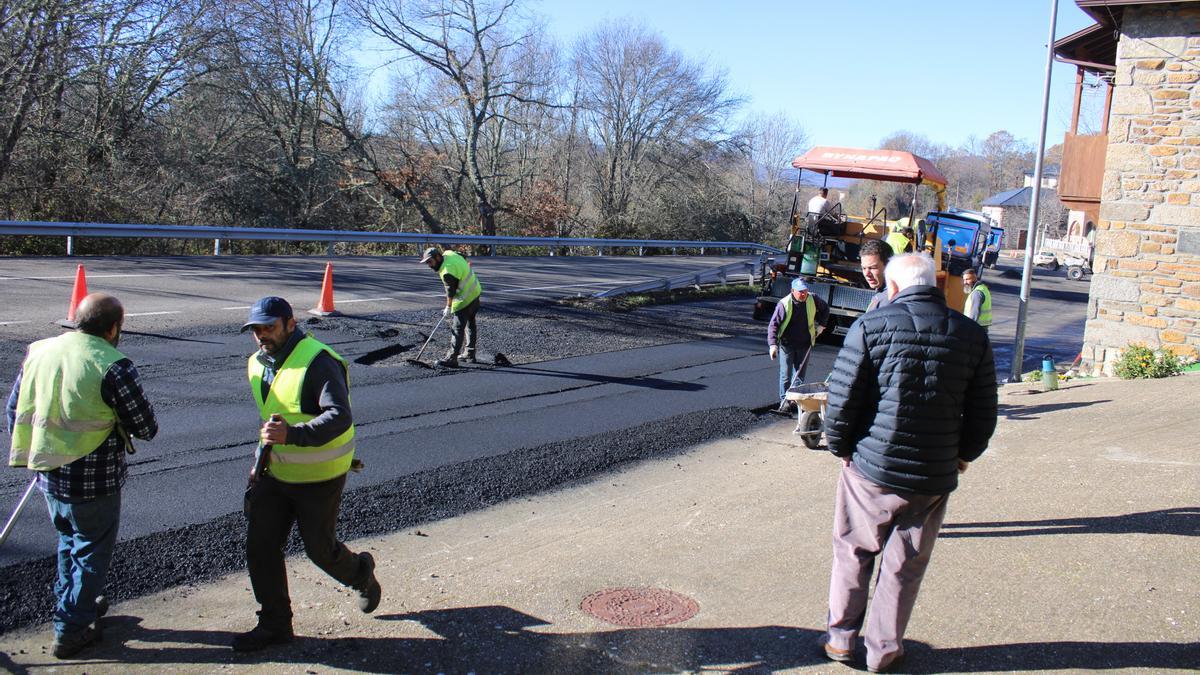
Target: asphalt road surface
[[182, 334], [186, 292], [1056, 315], [576, 375]]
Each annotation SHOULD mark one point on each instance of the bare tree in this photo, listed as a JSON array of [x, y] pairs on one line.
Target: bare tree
[[765, 175], [648, 112], [471, 47]]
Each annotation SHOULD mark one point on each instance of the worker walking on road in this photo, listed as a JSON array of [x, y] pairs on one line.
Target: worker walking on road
[[71, 411], [792, 332], [302, 390], [900, 461], [978, 305], [873, 257], [462, 302]]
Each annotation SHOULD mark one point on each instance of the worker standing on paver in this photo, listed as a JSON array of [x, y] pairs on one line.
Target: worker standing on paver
[[792, 332], [900, 462], [819, 205], [302, 390], [873, 257], [462, 302], [70, 412], [901, 240], [978, 305]]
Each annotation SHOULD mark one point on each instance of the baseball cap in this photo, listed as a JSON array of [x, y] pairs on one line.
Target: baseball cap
[[799, 285], [429, 253], [266, 311]]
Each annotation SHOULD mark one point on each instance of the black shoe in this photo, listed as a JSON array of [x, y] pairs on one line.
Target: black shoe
[[66, 646], [449, 362], [369, 592], [468, 357], [785, 407], [101, 606], [261, 638]]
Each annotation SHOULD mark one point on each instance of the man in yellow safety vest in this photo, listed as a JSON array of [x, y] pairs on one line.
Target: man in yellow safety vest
[[792, 333], [302, 390], [462, 301], [71, 411], [978, 305]]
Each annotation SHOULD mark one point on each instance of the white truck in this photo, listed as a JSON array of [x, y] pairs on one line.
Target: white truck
[[1073, 252]]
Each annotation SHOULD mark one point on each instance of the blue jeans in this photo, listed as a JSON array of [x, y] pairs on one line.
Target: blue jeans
[[790, 372], [87, 533]]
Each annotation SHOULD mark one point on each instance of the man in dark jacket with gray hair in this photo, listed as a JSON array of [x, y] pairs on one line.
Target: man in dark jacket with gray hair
[[912, 400]]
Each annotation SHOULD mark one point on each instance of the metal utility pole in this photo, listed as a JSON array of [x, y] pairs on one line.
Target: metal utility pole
[[1018, 354]]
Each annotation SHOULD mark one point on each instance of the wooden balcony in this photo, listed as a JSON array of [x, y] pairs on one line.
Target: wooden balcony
[[1082, 173]]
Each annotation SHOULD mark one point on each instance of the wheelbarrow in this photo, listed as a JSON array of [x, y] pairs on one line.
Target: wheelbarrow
[[810, 406]]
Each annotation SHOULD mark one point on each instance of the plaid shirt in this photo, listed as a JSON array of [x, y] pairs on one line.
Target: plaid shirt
[[101, 472]]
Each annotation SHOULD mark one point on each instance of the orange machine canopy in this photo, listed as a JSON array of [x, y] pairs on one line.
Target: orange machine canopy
[[886, 165]]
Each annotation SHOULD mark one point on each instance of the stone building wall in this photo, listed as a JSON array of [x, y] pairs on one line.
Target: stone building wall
[[1147, 283]]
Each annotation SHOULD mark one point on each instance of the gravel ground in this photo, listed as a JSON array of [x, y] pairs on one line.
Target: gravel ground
[[524, 333]]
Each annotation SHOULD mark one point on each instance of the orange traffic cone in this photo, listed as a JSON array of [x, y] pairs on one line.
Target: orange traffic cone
[[77, 294], [325, 306]]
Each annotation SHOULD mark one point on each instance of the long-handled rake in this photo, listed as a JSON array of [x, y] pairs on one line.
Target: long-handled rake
[[416, 361], [12, 520]]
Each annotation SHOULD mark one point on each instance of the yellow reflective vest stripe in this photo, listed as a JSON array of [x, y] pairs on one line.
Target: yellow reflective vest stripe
[[985, 307], [469, 287], [294, 463], [810, 312], [61, 415]]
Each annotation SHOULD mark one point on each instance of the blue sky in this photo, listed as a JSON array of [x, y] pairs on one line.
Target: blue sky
[[853, 71]]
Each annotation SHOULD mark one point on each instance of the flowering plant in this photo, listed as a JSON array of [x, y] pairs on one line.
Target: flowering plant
[[1139, 361]]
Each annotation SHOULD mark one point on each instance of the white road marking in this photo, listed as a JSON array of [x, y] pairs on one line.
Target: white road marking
[[550, 288], [154, 313], [346, 302], [12, 323], [125, 276]]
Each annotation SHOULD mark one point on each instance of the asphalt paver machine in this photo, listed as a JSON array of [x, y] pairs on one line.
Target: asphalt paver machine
[[823, 248]]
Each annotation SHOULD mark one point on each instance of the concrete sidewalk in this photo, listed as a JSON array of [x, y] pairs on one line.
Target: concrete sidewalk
[[1072, 544]]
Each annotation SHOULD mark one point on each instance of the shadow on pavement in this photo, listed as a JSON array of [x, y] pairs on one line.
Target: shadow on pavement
[[1183, 521], [480, 639], [1032, 412], [639, 381], [1030, 656], [501, 639]]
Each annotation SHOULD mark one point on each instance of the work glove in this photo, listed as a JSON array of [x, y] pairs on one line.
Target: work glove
[[446, 313], [774, 352]]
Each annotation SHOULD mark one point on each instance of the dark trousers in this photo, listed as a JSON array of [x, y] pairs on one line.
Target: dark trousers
[[274, 507], [464, 330]]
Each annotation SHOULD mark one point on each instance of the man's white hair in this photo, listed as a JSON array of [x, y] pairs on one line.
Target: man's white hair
[[911, 269]]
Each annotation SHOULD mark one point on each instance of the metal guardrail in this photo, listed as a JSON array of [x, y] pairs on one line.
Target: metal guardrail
[[71, 230], [751, 268]]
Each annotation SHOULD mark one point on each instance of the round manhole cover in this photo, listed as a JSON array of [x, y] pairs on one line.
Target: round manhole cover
[[640, 607]]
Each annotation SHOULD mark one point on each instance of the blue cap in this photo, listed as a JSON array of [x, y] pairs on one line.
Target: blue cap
[[799, 285], [266, 311]]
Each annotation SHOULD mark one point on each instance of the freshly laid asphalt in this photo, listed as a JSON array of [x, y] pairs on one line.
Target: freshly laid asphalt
[[1070, 545]]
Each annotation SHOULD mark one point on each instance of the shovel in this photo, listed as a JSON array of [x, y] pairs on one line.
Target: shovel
[[417, 360]]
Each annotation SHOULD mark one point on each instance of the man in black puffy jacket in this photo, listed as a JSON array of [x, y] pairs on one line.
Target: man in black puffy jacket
[[912, 400]]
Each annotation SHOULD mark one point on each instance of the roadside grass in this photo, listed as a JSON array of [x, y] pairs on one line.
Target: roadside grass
[[632, 301]]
